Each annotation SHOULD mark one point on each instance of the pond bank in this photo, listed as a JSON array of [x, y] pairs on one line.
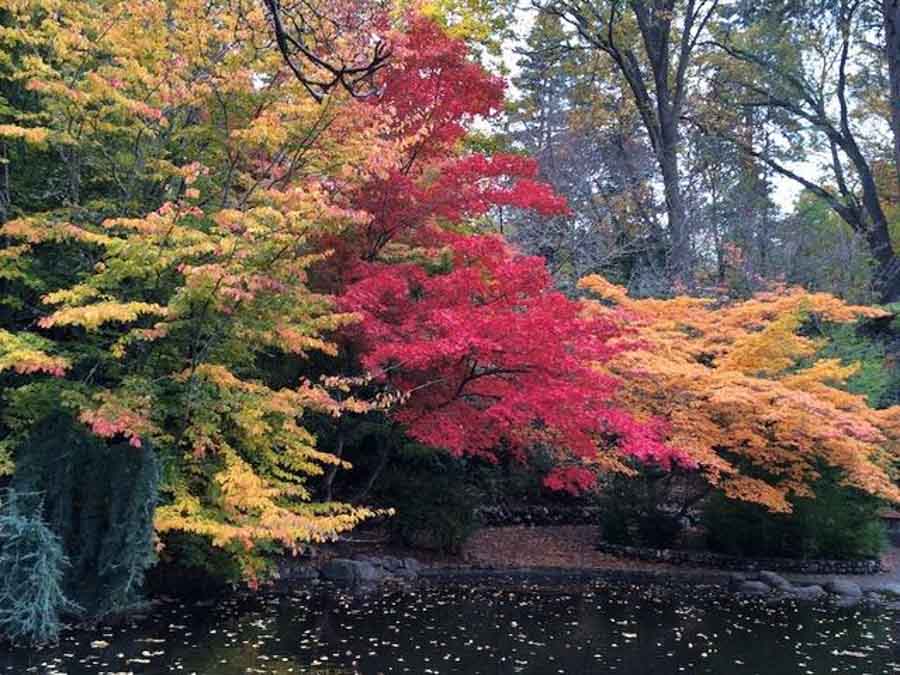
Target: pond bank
[[569, 553]]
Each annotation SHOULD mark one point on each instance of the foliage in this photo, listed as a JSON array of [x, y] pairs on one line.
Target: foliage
[[633, 510], [32, 566], [100, 503], [728, 380], [169, 255], [439, 518], [834, 523], [484, 355]]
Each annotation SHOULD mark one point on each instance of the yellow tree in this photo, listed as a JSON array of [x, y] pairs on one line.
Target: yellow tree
[[727, 378], [163, 278]]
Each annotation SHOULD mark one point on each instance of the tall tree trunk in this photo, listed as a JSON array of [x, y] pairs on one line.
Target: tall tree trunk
[[891, 11], [680, 251], [887, 270]]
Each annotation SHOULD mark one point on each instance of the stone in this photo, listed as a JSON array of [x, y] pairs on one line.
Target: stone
[[412, 565], [340, 569], [808, 593], [775, 580], [888, 588], [303, 573], [844, 587], [735, 579], [343, 570], [367, 573], [847, 600], [753, 588], [391, 564]]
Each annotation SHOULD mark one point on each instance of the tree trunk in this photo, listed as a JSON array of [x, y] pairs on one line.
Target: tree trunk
[[328, 483], [680, 252], [891, 11], [887, 270], [384, 453]]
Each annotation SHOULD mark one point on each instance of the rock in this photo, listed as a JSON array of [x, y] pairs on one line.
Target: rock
[[367, 573], [412, 565], [848, 600], [844, 588], [807, 593], [775, 581], [735, 579], [340, 569], [348, 571], [753, 588], [888, 587], [391, 564], [304, 573]]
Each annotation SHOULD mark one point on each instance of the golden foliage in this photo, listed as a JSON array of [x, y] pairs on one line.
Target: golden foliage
[[728, 380]]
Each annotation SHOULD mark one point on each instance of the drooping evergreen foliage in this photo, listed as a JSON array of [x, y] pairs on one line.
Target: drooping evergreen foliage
[[33, 566], [99, 499]]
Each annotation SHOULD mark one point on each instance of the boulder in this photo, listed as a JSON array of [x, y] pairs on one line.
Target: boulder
[[847, 600], [808, 593], [735, 579], [844, 588], [775, 581], [753, 588], [888, 588], [367, 573], [343, 570], [411, 565]]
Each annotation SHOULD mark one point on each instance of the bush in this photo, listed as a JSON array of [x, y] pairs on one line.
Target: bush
[[877, 379], [32, 569], [642, 510], [839, 523], [435, 506]]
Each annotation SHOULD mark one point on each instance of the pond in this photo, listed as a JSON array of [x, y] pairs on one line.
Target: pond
[[478, 627]]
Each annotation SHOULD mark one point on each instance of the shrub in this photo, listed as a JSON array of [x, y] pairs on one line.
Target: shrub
[[642, 510], [838, 523], [32, 568], [435, 506], [100, 503]]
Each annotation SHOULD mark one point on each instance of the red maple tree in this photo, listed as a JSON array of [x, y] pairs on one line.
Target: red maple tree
[[489, 355]]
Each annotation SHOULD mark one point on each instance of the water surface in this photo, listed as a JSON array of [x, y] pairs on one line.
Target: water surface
[[489, 628]]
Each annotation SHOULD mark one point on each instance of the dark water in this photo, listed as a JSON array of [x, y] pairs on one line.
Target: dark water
[[488, 628]]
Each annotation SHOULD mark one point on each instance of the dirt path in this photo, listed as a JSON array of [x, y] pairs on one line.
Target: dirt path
[[568, 546]]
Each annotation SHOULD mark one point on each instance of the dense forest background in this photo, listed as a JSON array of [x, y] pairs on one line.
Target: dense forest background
[[715, 143]]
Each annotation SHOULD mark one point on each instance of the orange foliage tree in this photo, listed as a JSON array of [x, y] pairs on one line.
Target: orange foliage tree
[[734, 383]]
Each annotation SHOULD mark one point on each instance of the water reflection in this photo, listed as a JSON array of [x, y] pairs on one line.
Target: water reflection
[[483, 628]]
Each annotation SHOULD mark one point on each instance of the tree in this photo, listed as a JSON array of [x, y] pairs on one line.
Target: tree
[[796, 60], [588, 141], [484, 354], [652, 45], [731, 382], [341, 44], [157, 277], [890, 10]]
